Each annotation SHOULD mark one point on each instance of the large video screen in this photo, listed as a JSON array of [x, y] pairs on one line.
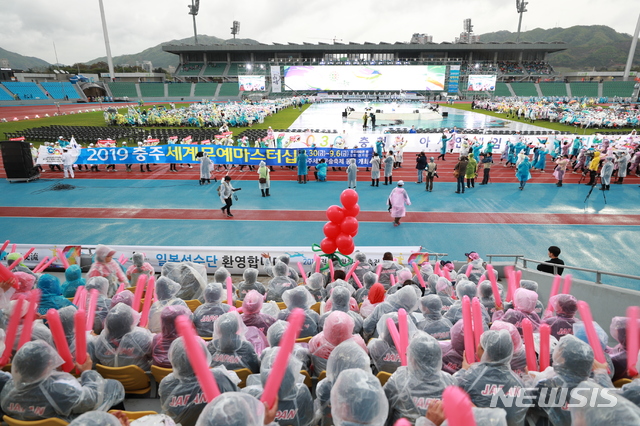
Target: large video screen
[[481, 83], [251, 83], [354, 77]]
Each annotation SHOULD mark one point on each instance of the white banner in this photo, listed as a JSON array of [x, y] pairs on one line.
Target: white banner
[[276, 79], [234, 259]]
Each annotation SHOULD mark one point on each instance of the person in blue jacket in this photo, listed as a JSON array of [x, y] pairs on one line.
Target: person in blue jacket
[[302, 166], [523, 172]]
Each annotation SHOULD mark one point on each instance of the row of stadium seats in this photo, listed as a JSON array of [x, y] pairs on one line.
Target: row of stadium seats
[[31, 90], [157, 90]]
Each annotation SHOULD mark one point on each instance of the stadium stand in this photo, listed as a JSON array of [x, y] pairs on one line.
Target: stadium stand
[[152, 90], [192, 68], [524, 89], [584, 89], [229, 89], [122, 89], [4, 96], [25, 90], [58, 90], [180, 89], [233, 68], [205, 89], [622, 89], [215, 68], [502, 89], [553, 89]]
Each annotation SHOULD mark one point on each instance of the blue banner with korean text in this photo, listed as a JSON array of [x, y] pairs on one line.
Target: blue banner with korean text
[[162, 154]]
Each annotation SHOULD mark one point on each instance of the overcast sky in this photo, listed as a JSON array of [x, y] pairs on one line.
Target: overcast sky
[[30, 27]]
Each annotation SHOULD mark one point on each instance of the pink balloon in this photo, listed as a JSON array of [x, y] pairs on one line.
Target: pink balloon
[[80, 320], [93, 303], [349, 197], [478, 322], [403, 330], [27, 325], [12, 330], [352, 211], [331, 230], [349, 226], [345, 244], [416, 271], [335, 214], [148, 298], [467, 324], [566, 287], [457, 407], [352, 270], [137, 297], [197, 358], [633, 314], [303, 274], [59, 338], [328, 246], [545, 352], [530, 350], [494, 286]]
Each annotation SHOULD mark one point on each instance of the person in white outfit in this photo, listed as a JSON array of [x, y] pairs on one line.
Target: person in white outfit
[[67, 160]]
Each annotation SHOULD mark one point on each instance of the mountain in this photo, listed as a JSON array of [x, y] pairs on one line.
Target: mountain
[[588, 47], [19, 62], [163, 59]]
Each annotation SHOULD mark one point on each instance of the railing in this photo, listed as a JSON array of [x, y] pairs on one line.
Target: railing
[[555, 266]]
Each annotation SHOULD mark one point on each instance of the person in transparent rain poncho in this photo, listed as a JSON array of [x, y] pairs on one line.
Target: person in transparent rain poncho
[[533, 286], [338, 329], [229, 346], [607, 408], [340, 298], [67, 318], [181, 396], [284, 258], [73, 276], [96, 418], [363, 267], [295, 404], [519, 358], [299, 297], [405, 298], [205, 315], [580, 332], [410, 389], [192, 278], [251, 315], [493, 374], [37, 391], [618, 330], [368, 280], [234, 409], [382, 350], [358, 399], [346, 355], [162, 341], [279, 283], [105, 266], [444, 290], [389, 266], [452, 350], [482, 416], [565, 306], [121, 343], [573, 363], [103, 302], [464, 288], [477, 270], [487, 299], [315, 285], [124, 296], [434, 323], [300, 350], [166, 290], [524, 305], [250, 282], [140, 267], [339, 282]]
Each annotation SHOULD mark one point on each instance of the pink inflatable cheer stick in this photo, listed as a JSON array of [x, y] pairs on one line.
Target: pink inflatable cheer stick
[[416, 271], [272, 386], [402, 422], [509, 273], [482, 278], [195, 353], [39, 265], [13, 248], [352, 270], [26, 255], [27, 325], [57, 332], [120, 288], [80, 321], [7, 276], [518, 279], [469, 348], [82, 298], [4, 246], [20, 259], [12, 330], [592, 336], [122, 259], [633, 313], [527, 333], [137, 297], [378, 270], [331, 270], [436, 269], [392, 278], [63, 259], [318, 262], [93, 303], [555, 287], [357, 280], [469, 269], [302, 272], [403, 330], [229, 292], [45, 266], [545, 353], [457, 407], [566, 287], [478, 322], [148, 299], [447, 275], [395, 336]]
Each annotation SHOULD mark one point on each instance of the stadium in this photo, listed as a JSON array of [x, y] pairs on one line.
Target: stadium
[[145, 156]]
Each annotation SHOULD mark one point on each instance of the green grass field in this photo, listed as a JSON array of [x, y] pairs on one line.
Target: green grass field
[[282, 120]]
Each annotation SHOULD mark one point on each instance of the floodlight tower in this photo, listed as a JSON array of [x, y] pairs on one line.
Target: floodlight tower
[[235, 29], [521, 7], [106, 42], [632, 51], [193, 11]]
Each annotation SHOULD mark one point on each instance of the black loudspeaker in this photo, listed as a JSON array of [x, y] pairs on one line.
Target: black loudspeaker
[[416, 111], [344, 114], [445, 114], [18, 163], [378, 111]]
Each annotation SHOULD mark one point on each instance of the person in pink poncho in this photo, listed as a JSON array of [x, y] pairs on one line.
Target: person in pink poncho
[[397, 201], [338, 328], [105, 266]]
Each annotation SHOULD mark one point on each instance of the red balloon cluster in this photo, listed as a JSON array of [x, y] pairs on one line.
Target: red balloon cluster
[[342, 225]]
